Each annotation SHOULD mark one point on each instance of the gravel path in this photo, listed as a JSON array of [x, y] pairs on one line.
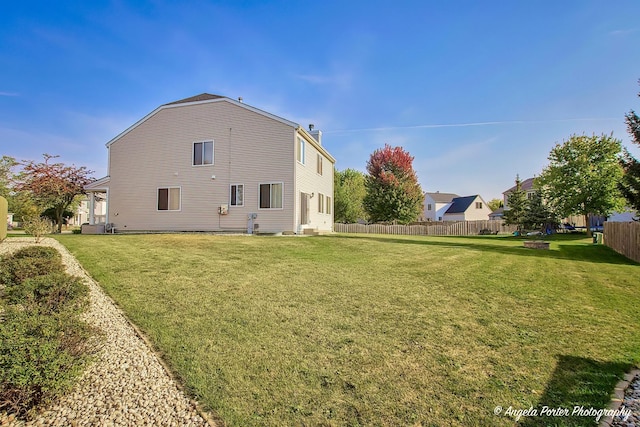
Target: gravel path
[[126, 385]]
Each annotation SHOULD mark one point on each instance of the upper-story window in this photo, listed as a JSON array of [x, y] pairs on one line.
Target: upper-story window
[[300, 150], [478, 205], [203, 153], [319, 164]]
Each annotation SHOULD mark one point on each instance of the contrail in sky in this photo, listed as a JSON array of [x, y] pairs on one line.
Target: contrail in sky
[[459, 125]]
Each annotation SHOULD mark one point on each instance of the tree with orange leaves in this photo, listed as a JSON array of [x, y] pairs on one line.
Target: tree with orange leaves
[[53, 185], [393, 192]]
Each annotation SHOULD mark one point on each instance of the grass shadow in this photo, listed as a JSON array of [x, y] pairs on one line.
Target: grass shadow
[[577, 382], [571, 251]]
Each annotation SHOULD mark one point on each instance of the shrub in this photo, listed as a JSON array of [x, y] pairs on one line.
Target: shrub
[[51, 293], [37, 227], [39, 357], [37, 252], [16, 270]]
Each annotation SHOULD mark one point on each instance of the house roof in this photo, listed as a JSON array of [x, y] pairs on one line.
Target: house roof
[[460, 204], [98, 184], [497, 212], [526, 185], [201, 97], [439, 197]]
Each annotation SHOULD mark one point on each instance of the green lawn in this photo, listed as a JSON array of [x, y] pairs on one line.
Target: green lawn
[[377, 330]]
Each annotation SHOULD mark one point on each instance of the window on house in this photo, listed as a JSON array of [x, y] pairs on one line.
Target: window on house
[[429, 206], [237, 195], [328, 210], [271, 195], [169, 199], [300, 151], [320, 202], [203, 153], [319, 166], [478, 205]]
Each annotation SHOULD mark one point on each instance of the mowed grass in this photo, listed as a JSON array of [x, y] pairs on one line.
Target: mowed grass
[[377, 330]]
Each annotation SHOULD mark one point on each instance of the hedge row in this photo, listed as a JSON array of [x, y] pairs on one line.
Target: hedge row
[[43, 341]]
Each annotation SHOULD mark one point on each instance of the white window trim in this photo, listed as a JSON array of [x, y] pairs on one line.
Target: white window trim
[[271, 183], [213, 153], [301, 150], [320, 162], [236, 206], [168, 203]]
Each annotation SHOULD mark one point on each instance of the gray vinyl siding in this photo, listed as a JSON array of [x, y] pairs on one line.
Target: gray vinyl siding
[[249, 149]]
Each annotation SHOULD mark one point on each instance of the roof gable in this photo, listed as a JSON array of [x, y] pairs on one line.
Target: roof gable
[[460, 204], [203, 98]]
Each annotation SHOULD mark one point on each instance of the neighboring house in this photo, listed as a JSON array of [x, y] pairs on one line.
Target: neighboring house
[[211, 163], [469, 208], [497, 214], [526, 185], [436, 204], [82, 214]]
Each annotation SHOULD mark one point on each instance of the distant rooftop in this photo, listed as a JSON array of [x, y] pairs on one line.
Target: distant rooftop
[[526, 185], [439, 197]]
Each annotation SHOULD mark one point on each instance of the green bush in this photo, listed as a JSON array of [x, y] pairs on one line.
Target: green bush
[[14, 271], [52, 293], [37, 252], [40, 357], [43, 341]]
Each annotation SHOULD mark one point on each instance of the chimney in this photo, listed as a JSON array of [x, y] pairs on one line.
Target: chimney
[[316, 134]]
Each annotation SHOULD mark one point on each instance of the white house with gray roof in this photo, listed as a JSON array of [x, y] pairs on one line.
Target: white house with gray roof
[[436, 204]]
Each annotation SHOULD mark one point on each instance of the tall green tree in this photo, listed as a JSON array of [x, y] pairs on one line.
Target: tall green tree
[[516, 209], [393, 192], [582, 177], [494, 204], [54, 185], [349, 191], [19, 202], [630, 184], [7, 164]]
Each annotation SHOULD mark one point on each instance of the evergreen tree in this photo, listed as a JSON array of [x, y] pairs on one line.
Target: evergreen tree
[[516, 210], [538, 216]]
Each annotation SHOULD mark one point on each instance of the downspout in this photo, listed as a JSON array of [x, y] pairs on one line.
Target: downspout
[[220, 227]]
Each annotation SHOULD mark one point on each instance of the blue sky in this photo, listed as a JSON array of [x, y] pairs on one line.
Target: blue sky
[[477, 91]]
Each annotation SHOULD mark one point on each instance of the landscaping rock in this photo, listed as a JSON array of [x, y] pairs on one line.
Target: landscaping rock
[[126, 384]]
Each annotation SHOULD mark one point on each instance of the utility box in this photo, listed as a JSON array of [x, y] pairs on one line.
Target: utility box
[[223, 209], [251, 226]]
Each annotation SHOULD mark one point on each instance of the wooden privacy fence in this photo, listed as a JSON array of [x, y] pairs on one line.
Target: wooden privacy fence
[[624, 238], [461, 228]]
